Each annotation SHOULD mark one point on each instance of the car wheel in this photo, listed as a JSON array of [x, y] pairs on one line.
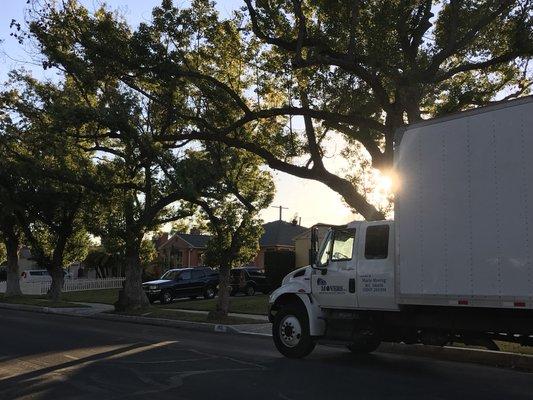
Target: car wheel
[[166, 297], [209, 293], [364, 346], [250, 290], [233, 292], [290, 332]]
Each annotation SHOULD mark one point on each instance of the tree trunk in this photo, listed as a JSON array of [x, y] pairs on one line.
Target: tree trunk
[[55, 267], [13, 277], [132, 297], [58, 279], [224, 288]]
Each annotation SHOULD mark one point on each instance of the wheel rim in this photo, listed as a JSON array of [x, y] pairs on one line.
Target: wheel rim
[[290, 331], [166, 297], [251, 291], [210, 293]]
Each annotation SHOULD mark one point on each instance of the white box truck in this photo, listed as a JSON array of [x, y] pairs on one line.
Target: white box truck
[[456, 265]]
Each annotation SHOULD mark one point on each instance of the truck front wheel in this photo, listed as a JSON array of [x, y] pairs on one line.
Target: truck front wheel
[[290, 332]]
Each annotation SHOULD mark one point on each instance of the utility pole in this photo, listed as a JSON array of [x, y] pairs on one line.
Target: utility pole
[[281, 208]]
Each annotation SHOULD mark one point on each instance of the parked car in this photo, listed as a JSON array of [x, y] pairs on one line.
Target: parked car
[[35, 276], [249, 280], [39, 275], [184, 282]]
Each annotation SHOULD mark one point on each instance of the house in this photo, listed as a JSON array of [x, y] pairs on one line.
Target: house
[[302, 245], [26, 262], [187, 250], [183, 250], [278, 237]]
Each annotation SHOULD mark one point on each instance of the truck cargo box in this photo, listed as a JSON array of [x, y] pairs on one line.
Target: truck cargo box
[[464, 209]]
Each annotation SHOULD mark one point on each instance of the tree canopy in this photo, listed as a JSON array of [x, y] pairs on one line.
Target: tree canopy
[[356, 69]]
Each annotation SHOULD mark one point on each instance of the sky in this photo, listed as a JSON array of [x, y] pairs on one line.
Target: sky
[[310, 200]]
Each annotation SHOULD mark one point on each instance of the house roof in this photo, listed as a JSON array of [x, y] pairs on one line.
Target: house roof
[[280, 233], [277, 233], [198, 241]]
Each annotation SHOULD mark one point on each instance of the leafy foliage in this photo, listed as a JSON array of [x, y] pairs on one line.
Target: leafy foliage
[[3, 253], [358, 69]]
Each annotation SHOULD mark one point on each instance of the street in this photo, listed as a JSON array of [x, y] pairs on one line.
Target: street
[[44, 356]]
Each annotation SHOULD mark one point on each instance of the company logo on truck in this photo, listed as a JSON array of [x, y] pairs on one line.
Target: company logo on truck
[[324, 288]]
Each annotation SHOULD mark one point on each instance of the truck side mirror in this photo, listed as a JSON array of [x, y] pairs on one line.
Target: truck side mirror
[[314, 246]]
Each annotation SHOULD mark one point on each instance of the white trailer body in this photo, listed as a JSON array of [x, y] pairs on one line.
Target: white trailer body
[[464, 209]]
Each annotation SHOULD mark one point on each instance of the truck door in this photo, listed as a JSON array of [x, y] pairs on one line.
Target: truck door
[[334, 286], [375, 267]]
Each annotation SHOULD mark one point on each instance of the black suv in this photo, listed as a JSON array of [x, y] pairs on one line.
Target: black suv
[[249, 280], [183, 282]]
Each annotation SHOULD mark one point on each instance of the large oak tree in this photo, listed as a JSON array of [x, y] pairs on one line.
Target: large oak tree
[[354, 68]]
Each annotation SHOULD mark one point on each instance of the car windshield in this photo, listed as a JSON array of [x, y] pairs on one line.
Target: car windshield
[[171, 275]]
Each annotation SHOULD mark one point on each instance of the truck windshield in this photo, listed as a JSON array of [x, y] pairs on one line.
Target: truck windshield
[[323, 254], [342, 245]]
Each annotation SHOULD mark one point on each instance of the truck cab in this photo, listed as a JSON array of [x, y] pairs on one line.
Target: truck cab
[[353, 270], [355, 267]]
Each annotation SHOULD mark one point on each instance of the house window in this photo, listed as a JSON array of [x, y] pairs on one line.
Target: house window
[[201, 258], [176, 257]]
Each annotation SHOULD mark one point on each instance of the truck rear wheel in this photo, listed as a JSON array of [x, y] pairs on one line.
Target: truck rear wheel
[[364, 346], [290, 332]]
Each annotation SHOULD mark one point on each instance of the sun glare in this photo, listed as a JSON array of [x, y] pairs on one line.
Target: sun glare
[[384, 183]]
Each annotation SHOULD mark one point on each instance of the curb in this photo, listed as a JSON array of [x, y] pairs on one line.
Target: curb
[[457, 354], [197, 326], [44, 310]]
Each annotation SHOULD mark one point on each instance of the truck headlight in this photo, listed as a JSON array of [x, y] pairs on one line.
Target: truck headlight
[[152, 287]]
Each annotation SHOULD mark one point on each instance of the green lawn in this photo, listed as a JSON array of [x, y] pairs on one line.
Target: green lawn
[[40, 301], [156, 312], [105, 296], [240, 304]]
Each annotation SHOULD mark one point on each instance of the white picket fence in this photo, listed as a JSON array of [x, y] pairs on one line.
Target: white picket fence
[[71, 285]]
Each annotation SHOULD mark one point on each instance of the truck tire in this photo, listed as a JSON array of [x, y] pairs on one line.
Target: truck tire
[[364, 346], [166, 297], [290, 332]]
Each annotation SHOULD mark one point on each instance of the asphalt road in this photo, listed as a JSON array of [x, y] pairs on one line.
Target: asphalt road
[[44, 356]]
